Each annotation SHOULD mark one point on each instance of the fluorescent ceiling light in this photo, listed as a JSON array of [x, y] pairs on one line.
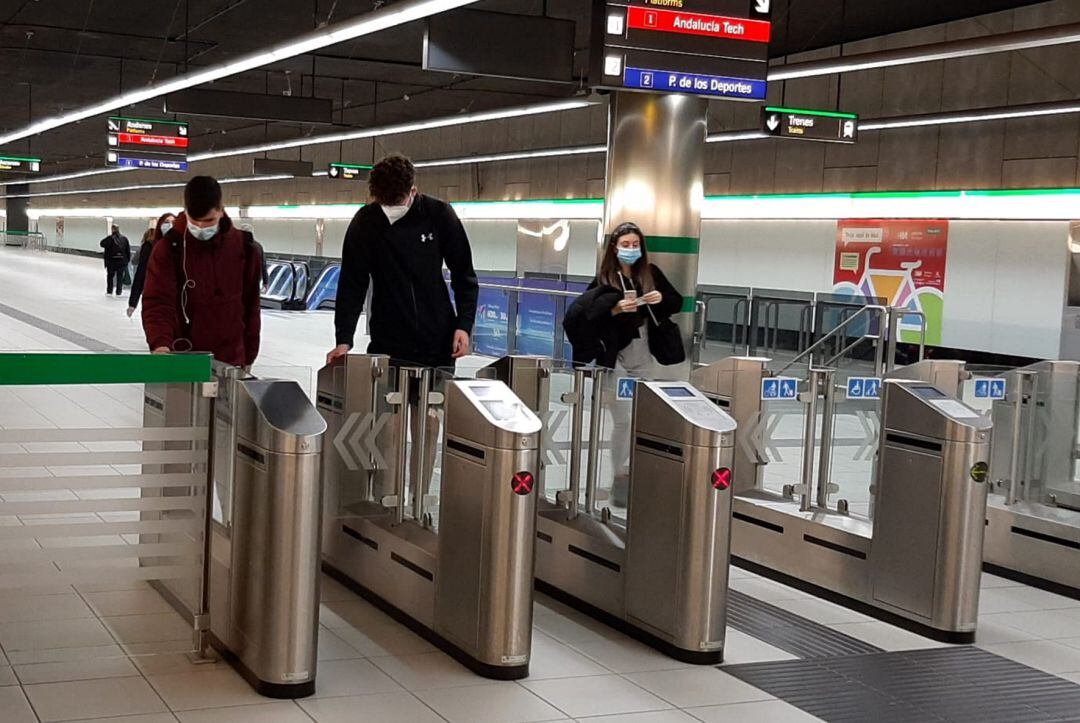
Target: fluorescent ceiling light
[[144, 186], [972, 116], [366, 24], [965, 48], [512, 156], [729, 136], [400, 128]]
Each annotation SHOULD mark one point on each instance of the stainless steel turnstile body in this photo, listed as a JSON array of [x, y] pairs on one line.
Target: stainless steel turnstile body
[[1033, 514], [263, 548], [918, 562], [662, 574], [466, 586], [264, 585]]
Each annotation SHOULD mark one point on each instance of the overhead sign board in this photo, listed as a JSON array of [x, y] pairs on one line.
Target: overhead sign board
[[715, 48], [348, 172], [160, 145], [17, 164], [811, 125]]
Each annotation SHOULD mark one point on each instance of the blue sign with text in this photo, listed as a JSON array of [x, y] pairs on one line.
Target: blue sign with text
[[863, 388], [779, 388], [990, 389], [716, 85]]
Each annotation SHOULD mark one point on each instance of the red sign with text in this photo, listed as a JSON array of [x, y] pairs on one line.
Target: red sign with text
[[139, 139], [710, 26]]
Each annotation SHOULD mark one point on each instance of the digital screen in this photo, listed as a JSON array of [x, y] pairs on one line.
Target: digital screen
[[928, 392], [501, 411], [482, 392], [678, 392], [160, 145]]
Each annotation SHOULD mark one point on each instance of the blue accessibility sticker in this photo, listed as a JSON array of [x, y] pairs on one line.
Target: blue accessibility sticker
[[625, 387], [863, 388], [986, 388], [779, 388]]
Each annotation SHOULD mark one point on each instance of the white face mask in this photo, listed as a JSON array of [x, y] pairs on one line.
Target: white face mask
[[203, 234], [166, 227], [396, 213]]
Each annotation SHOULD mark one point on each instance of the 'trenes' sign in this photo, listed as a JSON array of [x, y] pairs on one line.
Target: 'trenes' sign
[[348, 171], [811, 125], [16, 164], [717, 48]]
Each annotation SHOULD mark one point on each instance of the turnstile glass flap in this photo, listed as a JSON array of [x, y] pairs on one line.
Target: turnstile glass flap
[[487, 413], [923, 410], [346, 384], [677, 412], [277, 416]]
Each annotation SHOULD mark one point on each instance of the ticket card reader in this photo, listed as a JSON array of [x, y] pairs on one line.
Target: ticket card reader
[[927, 549], [461, 576], [662, 575]]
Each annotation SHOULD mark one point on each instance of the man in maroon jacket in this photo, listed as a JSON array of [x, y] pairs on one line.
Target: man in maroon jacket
[[202, 283]]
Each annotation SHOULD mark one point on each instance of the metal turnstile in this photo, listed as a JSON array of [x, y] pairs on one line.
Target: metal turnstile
[[460, 575], [915, 559], [1033, 516], [263, 540], [264, 584], [662, 574]]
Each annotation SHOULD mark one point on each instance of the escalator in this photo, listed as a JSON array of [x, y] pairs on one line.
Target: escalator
[[324, 292]]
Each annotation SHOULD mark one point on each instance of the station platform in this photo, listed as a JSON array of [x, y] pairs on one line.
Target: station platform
[[115, 652]]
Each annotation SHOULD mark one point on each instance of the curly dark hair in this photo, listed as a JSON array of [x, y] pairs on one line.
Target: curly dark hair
[[391, 180]]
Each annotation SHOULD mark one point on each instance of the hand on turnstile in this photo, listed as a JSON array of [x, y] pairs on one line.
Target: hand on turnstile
[[461, 344], [338, 351]]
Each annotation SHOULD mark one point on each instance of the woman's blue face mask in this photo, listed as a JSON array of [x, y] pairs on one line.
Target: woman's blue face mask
[[629, 256]]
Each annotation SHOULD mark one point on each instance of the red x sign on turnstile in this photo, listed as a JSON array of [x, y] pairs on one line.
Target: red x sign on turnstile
[[523, 483]]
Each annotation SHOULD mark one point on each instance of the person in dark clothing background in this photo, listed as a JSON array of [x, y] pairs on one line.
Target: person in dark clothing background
[[398, 244], [163, 226], [202, 283], [116, 253]]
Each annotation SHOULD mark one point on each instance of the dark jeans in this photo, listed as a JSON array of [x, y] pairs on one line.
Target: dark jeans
[[118, 274]]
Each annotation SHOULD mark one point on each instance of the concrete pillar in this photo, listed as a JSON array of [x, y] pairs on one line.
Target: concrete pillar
[[655, 178]]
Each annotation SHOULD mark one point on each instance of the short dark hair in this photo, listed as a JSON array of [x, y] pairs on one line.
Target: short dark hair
[[115, 228], [202, 194], [391, 179]]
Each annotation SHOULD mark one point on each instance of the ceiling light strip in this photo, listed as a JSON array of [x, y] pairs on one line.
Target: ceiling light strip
[[366, 24]]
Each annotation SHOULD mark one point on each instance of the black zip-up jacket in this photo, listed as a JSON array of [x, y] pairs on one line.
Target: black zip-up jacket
[[139, 281], [412, 317]]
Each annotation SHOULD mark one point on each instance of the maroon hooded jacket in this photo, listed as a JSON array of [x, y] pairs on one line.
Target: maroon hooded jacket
[[222, 304]]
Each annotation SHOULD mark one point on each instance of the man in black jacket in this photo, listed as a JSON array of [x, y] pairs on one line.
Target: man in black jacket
[[399, 244], [117, 255]]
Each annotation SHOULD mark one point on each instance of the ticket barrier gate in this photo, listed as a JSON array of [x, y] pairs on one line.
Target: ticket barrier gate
[[263, 541], [661, 575], [916, 559], [460, 575], [1033, 513]]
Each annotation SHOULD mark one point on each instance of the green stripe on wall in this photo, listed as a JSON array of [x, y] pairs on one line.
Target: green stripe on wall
[[674, 244], [104, 369], [689, 305]]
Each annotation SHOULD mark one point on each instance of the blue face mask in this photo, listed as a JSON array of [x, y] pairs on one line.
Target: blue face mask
[[629, 256], [203, 234]]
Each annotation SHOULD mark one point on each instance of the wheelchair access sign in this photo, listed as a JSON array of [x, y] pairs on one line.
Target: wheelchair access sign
[[989, 388], [863, 388], [779, 388]]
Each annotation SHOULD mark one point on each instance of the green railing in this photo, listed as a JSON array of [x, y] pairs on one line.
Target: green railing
[[54, 368]]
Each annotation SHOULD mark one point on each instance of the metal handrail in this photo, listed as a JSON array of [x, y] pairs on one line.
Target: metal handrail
[[832, 334], [527, 290]]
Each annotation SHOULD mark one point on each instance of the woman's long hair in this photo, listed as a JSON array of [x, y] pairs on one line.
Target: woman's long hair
[[161, 219], [610, 267]]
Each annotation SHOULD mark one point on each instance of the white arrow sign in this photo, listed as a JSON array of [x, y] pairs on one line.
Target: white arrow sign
[[773, 123], [762, 6]]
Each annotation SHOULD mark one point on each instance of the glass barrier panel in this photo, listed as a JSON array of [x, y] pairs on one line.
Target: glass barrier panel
[[782, 441], [614, 435], [558, 421], [102, 499], [725, 327], [856, 430]]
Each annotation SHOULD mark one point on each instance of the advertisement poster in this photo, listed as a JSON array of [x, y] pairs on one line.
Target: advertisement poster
[[492, 320], [536, 319], [900, 261]]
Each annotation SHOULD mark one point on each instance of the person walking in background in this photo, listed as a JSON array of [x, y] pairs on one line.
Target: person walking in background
[[116, 253], [202, 283], [153, 235]]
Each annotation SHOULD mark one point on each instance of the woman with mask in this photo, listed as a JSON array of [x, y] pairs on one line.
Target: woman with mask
[[645, 299], [163, 226]]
